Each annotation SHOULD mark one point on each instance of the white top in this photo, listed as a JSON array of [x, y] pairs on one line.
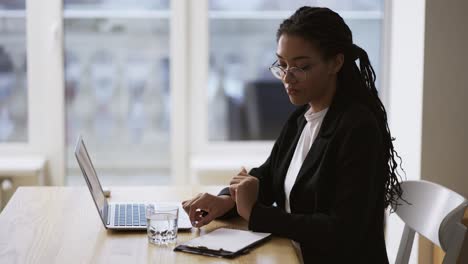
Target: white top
[[308, 135]]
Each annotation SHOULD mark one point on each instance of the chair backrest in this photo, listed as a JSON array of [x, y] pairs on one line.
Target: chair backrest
[[434, 212]]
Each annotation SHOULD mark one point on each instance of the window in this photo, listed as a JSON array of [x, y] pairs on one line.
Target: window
[[157, 88], [117, 86], [245, 102], [239, 106], [13, 86]]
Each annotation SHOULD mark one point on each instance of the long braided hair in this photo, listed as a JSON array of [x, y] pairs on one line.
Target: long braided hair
[[328, 31]]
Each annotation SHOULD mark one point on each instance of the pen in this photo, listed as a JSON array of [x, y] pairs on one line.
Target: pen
[[203, 214]]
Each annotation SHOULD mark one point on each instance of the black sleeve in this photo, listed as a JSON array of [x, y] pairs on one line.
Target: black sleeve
[[265, 194], [263, 173], [352, 207]]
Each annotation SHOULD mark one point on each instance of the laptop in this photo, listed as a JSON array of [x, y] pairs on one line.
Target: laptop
[[117, 216]]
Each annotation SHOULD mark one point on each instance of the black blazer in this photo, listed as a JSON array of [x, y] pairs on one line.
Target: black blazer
[[337, 201]]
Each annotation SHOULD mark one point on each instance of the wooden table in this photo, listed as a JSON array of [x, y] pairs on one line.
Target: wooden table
[[61, 225]]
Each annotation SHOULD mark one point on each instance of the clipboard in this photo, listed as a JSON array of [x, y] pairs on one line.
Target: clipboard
[[223, 243]]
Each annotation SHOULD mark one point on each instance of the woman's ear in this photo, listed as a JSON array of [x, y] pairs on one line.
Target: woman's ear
[[336, 63]]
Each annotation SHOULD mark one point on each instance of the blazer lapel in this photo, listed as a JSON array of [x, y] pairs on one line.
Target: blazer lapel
[[284, 165], [329, 124]]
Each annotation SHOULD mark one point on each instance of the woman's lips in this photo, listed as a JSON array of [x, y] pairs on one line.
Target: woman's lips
[[292, 91]]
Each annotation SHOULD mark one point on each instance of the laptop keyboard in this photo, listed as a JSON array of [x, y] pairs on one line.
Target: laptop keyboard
[[129, 215]]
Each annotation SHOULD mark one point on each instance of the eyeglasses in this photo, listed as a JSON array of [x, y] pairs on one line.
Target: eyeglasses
[[280, 73]]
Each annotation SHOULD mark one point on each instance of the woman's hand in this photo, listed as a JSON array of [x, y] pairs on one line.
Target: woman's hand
[[235, 181], [205, 207], [245, 190]]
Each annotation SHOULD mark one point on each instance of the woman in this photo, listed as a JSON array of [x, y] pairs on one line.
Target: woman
[[332, 171]]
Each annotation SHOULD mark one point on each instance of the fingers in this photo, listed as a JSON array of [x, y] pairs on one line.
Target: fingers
[[204, 220], [233, 191], [206, 207], [199, 219], [184, 203], [194, 212], [237, 179], [199, 208], [243, 171], [188, 203]]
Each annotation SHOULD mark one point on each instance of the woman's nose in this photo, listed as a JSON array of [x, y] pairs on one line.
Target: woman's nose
[[289, 77]]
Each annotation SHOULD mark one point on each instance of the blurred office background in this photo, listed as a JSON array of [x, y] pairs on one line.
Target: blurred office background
[[117, 94], [179, 92]]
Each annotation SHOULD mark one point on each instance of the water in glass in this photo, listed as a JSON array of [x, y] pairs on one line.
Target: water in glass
[[162, 225]]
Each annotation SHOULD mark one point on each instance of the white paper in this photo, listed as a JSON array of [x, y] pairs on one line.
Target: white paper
[[227, 239]]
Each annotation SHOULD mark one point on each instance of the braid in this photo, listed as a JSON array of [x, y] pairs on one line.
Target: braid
[[328, 31], [393, 189]]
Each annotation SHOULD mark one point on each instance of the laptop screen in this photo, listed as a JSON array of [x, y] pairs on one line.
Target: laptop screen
[[91, 178]]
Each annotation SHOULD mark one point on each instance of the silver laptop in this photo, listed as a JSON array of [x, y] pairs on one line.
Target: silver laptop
[[121, 216]]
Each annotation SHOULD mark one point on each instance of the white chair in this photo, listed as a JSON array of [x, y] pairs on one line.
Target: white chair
[[435, 212]]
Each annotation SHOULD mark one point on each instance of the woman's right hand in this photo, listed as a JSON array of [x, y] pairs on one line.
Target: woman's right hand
[[242, 175], [205, 207]]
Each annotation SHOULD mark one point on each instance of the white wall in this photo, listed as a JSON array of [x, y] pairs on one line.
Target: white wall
[[404, 102], [428, 88], [444, 153], [445, 114]]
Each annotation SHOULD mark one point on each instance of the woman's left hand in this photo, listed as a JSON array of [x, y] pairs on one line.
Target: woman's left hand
[[246, 195]]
